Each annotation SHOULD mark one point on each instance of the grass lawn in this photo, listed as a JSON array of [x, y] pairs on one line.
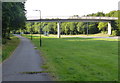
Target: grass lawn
[[9, 47], [80, 59]]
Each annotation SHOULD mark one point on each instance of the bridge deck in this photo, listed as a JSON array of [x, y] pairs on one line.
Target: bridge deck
[[75, 19]]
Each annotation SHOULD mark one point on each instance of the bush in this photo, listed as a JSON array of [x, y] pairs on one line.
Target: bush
[[118, 33], [114, 32], [104, 32]]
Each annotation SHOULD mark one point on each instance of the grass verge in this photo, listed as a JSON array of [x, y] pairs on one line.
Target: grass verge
[[80, 59], [9, 47]]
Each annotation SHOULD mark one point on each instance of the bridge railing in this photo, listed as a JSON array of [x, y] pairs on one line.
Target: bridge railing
[[68, 17], [108, 18]]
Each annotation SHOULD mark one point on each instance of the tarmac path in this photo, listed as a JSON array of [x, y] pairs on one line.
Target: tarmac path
[[24, 59]]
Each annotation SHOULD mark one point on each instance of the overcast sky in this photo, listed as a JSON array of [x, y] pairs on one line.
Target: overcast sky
[[69, 7]]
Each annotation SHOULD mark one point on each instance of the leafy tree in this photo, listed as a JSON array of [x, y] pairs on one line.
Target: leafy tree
[[102, 26], [46, 28], [54, 28], [72, 27], [67, 28], [28, 26], [112, 14], [93, 27], [80, 27], [36, 27], [13, 17], [63, 27], [97, 14]]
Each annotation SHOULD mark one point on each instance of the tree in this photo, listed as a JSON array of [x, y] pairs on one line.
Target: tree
[[71, 27], [13, 16], [63, 24], [54, 27], [28, 26], [93, 27], [36, 27], [80, 27], [67, 28], [46, 28], [102, 26]]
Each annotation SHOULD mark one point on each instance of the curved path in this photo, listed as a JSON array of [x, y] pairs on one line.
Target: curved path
[[24, 59]]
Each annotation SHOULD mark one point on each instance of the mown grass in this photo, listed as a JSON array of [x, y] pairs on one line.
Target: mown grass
[[9, 47], [80, 59]]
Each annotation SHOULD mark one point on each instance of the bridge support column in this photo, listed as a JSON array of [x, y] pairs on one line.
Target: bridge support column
[[58, 29], [87, 28], [109, 28]]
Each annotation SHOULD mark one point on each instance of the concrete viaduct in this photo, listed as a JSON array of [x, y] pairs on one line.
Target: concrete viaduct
[[77, 19]]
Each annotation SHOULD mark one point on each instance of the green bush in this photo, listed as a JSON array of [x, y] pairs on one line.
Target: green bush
[[114, 32], [104, 32], [118, 33]]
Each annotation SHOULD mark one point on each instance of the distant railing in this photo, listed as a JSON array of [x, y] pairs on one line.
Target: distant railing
[[108, 18], [68, 17]]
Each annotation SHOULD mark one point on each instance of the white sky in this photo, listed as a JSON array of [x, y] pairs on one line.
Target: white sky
[[69, 7]]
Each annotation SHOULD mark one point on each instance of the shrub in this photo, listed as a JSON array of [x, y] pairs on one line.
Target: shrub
[[104, 32], [118, 33], [114, 32]]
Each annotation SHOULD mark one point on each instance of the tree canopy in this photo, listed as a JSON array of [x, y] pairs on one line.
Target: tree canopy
[[13, 17]]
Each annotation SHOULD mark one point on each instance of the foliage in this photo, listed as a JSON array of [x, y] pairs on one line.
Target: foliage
[[13, 17], [80, 27], [102, 26], [93, 27], [66, 28], [72, 27], [114, 33], [104, 32]]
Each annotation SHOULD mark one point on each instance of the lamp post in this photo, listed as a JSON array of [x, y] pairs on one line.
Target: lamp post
[[40, 27], [87, 28], [31, 31]]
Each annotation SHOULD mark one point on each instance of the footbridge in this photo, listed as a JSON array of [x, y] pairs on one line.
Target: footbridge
[[76, 19]]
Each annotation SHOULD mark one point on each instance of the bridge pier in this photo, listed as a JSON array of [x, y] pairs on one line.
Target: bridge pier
[[58, 29], [109, 28]]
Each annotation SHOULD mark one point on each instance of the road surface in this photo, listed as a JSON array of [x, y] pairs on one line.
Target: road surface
[[24, 59]]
